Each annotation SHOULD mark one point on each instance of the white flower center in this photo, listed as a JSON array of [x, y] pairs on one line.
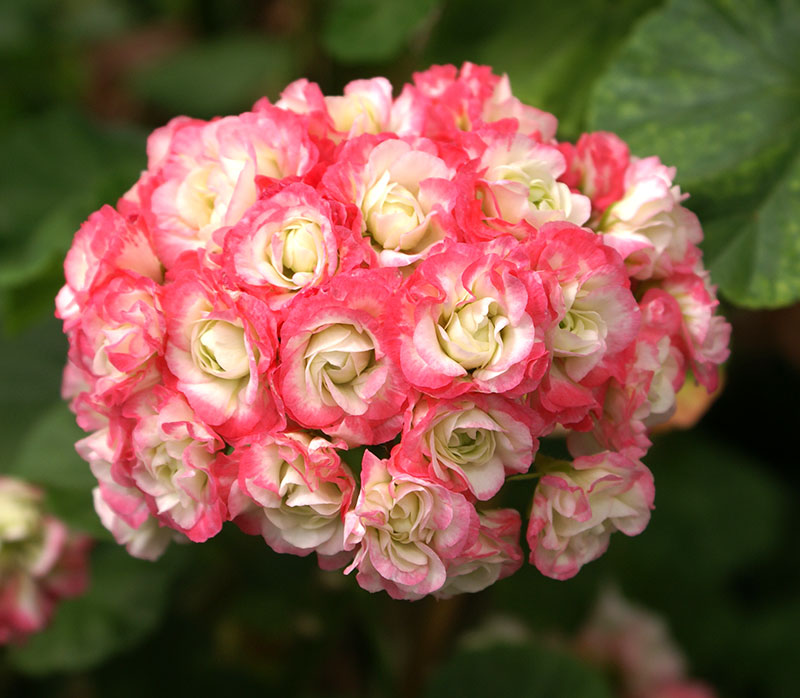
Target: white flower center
[[393, 215], [337, 361], [300, 245], [472, 334], [218, 348]]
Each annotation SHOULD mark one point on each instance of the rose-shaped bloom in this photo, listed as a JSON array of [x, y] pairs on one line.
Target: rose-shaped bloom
[[400, 190], [119, 336], [406, 529], [105, 244], [650, 229], [284, 244], [173, 464], [577, 507], [706, 335], [470, 443], [520, 183], [206, 177], [589, 292], [294, 491], [120, 505], [496, 554], [334, 371], [221, 349], [472, 318], [40, 561], [596, 167]]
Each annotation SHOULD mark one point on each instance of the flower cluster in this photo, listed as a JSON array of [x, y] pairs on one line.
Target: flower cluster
[[41, 562], [422, 286]]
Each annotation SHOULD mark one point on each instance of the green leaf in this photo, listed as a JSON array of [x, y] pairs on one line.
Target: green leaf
[[223, 76], [713, 87], [355, 31], [529, 670], [47, 457], [125, 601]]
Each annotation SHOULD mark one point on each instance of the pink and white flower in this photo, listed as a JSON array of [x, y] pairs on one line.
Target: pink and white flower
[[221, 348], [173, 464], [400, 189], [335, 373], [105, 244], [472, 319], [470, 443], [520, 182], [293, 490], [577, 507], [284, 244], [406, 529], [648, 226]]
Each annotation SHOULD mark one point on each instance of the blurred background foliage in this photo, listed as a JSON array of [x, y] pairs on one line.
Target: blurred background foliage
[[711, 86]]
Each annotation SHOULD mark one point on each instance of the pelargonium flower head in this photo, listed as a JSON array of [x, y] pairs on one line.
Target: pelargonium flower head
[[284, 244], [471, 318], [495, 555], [41, 561], [293, 490], [576, 508], [335, 373], [405, 529], [400, 188], [469, 443], [220, 348]]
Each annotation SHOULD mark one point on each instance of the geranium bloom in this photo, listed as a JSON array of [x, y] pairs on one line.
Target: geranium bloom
[[470, 443], [577, 507], [41, 562], [202, 175], [406, 529], [220, 347], [335, 374], [472, 320], [293, 490]]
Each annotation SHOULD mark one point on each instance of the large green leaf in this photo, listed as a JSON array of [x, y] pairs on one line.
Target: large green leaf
[[217, 77], [529, 670], [713, 87], [366, 31], [125, 601]]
